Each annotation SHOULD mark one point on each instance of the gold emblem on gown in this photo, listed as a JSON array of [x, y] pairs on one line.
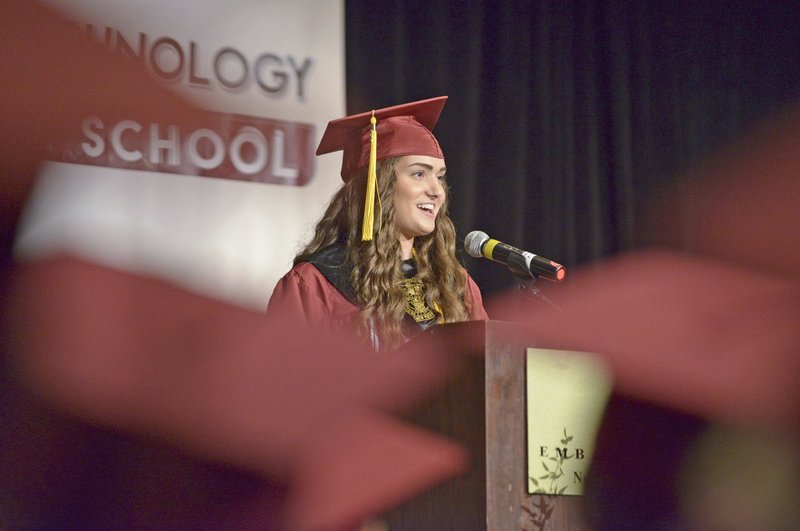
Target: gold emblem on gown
[[415, 301]]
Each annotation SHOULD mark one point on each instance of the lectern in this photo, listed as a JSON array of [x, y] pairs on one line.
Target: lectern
[[484, 408]]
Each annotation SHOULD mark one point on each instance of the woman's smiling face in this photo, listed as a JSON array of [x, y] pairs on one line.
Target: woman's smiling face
[[419, 194]]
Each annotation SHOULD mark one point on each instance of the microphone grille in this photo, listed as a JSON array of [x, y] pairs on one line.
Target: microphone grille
[[474, 241]]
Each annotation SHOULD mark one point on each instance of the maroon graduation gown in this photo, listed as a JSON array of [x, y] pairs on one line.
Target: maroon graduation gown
[[307, 296]]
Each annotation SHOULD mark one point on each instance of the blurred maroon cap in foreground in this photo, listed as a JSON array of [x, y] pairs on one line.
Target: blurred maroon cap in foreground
[[699, 335]]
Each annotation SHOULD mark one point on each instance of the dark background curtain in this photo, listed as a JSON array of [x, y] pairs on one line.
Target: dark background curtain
[[564, 116]]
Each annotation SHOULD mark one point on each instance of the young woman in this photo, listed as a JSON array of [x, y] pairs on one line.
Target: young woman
[[382, 258]]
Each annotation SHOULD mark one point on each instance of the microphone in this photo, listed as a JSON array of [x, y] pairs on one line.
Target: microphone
[[521, 263]]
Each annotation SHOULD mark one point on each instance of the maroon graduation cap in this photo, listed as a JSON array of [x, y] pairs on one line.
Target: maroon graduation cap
[[402, 130]]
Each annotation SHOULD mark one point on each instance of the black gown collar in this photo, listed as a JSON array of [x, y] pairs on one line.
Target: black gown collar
[[332, 263]]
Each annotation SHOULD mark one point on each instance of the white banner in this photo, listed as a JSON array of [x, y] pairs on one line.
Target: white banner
[[221, 207]]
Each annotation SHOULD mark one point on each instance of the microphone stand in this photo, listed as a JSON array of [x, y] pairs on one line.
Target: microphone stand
[[526, 280]]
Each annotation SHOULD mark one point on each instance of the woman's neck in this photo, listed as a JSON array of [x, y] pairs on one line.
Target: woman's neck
[[405, 247]]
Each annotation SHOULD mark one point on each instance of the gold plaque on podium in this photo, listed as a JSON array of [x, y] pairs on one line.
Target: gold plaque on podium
[[566, 395]]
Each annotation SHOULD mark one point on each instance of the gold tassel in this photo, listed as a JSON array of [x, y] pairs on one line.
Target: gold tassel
[[369, 202]]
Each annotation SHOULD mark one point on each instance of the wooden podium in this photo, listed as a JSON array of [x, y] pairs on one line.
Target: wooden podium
[[484, 409]]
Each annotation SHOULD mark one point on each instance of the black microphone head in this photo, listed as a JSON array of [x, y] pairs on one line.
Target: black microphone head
[[473, 243]]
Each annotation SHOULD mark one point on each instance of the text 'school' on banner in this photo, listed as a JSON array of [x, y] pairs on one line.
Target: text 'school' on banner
[[230, 146]]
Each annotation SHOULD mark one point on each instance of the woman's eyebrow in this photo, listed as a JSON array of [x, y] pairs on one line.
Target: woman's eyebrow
[[427, 166]]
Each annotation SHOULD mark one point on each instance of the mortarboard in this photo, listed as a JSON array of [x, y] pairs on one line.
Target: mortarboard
[[403, 130]]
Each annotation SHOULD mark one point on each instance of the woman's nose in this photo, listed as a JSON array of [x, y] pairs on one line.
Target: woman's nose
[[435, 188]]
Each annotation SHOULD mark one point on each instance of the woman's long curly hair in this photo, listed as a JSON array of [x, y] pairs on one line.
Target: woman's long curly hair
[[376, 275]]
